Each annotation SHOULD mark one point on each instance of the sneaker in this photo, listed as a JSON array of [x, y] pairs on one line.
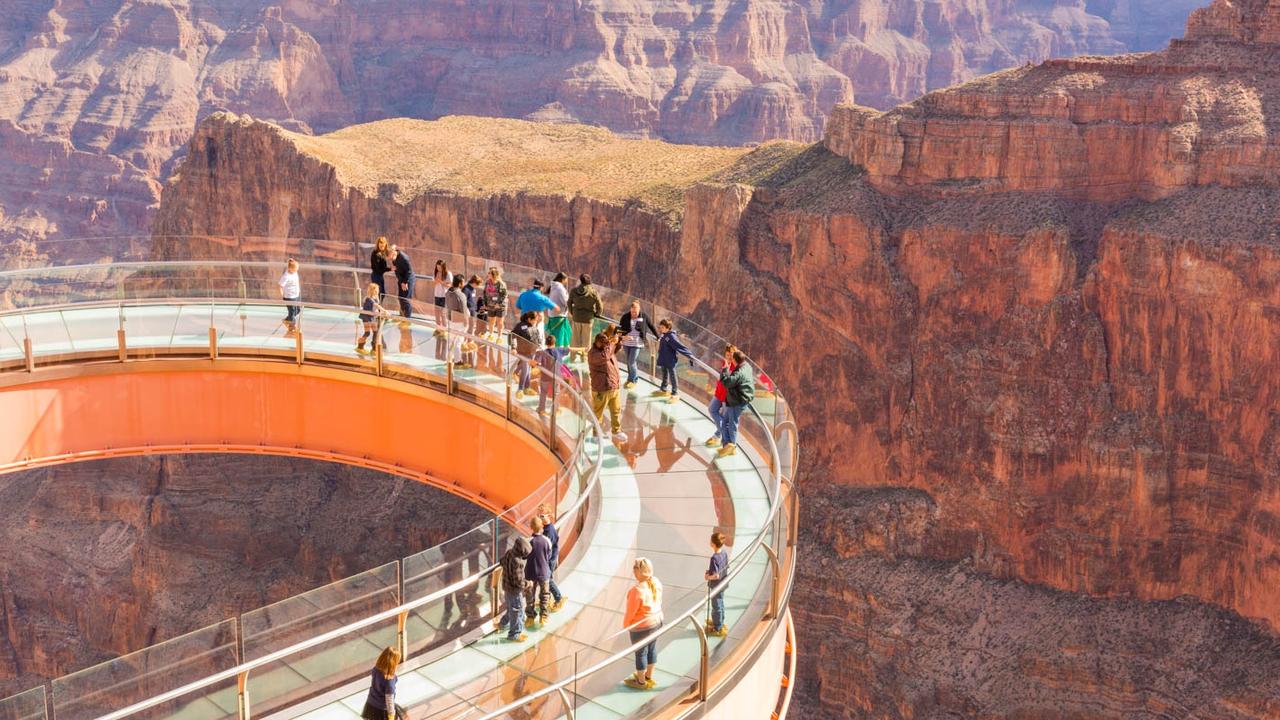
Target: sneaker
[[542, 621], [723, 631], [629, 385], [361, 351], [519, 638], [672, 399], [619, 437], [531, 623], [632, 682], [713, 441], [660, 393], [543, 413], [727, 450], [650, 684], [557, 605]]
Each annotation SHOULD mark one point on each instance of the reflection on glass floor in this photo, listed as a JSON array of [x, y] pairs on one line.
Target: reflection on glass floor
[[661, 494]]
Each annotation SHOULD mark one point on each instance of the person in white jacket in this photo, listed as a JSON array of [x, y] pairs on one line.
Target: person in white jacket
[[291, 293]]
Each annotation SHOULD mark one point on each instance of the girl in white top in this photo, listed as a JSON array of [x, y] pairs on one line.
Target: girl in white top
[[291, 293]]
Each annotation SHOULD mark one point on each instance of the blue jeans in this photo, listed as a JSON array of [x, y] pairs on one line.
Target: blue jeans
[[717, 611], [716, 418], [729, 423], [406, 294], [514, 621], [632, 354], [646, 655], [668, 373], [555, 589]]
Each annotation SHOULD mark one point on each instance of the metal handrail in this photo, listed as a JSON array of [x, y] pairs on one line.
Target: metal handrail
[[754, 547], [668, 625], [474, 579]]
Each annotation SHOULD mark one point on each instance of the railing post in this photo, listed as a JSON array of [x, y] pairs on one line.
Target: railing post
[[555, 408], [28, 355], [704, 660], [568, 706], [297, 344], [402, 634], [213, 343], [121, 350], [508, 367], [776, 585], [242, 694], [377, 347]]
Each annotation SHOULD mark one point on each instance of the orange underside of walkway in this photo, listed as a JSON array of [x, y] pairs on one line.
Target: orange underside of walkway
[[272, 408]]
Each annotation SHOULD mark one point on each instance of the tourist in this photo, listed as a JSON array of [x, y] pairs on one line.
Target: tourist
[[642, 620], [404, 280], [636, 329], [558, 322], [739, 387], [455, 307], [716, 408], [549, 529], [381, 701], [378, 266], [584, 307], [442, 280], [514, 587], [291, 293], [539, 571], [472, 291], [602, 362], [669, 350], [534, 299], [523, 341], [717, 569], [549, 360], [495, 302], [371, 320]]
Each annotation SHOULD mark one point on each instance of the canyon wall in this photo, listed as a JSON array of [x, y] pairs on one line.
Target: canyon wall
[[98, 99], [109, 556], [1062, 345]]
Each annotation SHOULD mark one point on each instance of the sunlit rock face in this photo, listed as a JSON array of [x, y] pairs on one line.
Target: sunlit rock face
[[107, 557], [97, 99]]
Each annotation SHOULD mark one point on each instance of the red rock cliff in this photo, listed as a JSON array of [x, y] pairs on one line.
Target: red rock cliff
[[1082, 384]]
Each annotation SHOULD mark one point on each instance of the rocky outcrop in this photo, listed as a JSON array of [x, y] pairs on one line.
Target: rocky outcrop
[[98, 99], [168, 544], [1069, 369], [1104, 129]]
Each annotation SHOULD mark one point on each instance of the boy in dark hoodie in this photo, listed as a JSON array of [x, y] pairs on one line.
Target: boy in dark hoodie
[[514, 586], [669, 351], [539, 571]]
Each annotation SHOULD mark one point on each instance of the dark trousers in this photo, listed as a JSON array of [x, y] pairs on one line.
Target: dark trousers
[[292, 310], [406, 295], [377, 279], [668, 373]]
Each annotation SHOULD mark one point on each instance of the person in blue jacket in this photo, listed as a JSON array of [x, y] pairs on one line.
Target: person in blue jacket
[[534, 299], [669, 350]]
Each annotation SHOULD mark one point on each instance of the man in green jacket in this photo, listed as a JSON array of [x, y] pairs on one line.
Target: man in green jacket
[[740, 389], [584, 306]]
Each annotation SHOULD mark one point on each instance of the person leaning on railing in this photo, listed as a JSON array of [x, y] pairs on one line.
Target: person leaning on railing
[[739, 388], [381, 702]]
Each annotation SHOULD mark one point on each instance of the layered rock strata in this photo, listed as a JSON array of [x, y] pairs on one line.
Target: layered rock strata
[[107, 557], [1073, 361], [98, 99]]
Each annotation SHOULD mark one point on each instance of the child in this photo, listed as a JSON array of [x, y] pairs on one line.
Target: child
[[669, 348], [716, 571], [549, 529], [371, 319], [539, 571], [514, 587], [548, 359], [291, 293], [472, 291]]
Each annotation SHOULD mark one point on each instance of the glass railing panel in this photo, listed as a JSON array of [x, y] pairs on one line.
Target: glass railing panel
[[28, 705], [320, 668], [166, 666], [51, 339], [318, 611], [482, 376], [439, 623]]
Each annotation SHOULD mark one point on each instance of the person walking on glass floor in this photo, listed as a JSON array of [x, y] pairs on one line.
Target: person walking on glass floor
[[380, 704]]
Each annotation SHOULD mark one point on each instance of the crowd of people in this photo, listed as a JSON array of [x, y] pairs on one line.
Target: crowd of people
[[555, 326]]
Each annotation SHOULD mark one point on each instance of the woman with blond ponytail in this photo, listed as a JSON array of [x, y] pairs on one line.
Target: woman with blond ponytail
[[643, 618]]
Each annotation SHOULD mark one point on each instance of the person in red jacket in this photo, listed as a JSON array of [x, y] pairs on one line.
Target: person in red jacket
[[718, 402]]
